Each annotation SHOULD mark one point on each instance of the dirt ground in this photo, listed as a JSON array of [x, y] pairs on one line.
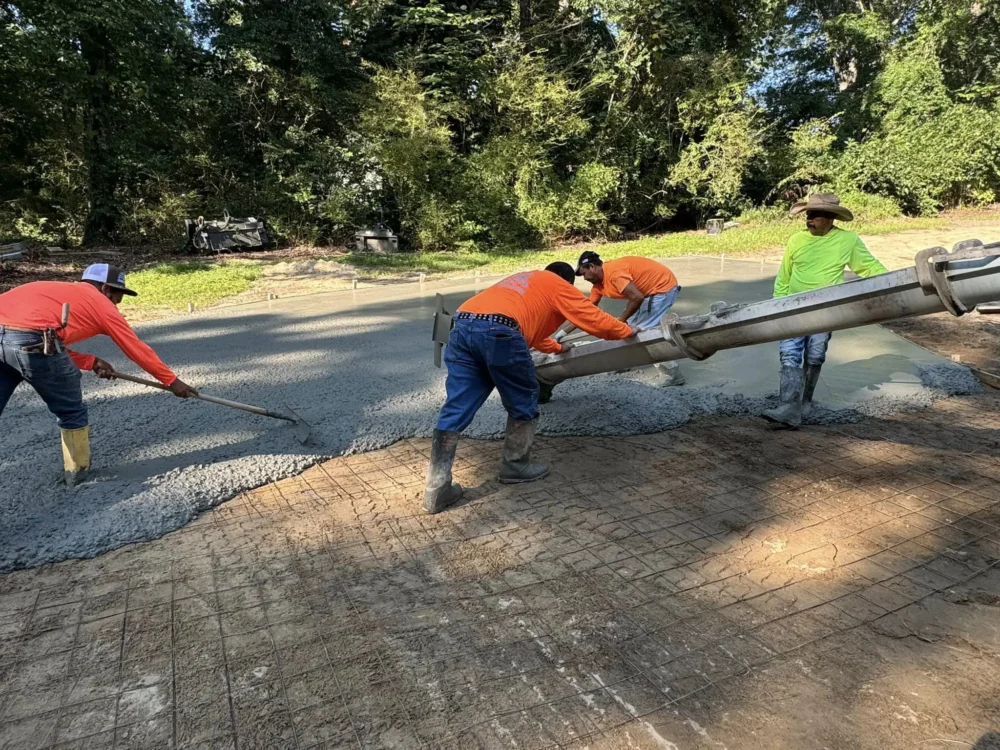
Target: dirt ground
[[722, 585]]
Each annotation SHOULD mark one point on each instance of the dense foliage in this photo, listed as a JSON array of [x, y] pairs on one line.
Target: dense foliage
[[476, 124]]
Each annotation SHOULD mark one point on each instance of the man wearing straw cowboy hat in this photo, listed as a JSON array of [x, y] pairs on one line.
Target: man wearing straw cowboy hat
[[813, 259]]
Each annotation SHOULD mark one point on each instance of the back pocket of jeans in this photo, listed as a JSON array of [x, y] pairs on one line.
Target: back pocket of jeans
[[499, 348]]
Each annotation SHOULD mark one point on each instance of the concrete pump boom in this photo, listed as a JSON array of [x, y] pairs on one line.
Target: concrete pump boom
[[938, 281]]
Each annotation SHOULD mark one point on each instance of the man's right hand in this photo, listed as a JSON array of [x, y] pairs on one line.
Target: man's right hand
[[103, 369], [182, 390]]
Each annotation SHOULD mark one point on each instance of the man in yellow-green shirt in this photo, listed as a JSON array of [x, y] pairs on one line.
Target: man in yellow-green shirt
[[814, 259]]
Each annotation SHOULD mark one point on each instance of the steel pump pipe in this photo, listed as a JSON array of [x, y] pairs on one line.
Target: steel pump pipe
[[939, 281]]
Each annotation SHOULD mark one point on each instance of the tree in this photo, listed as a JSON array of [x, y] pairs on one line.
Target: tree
[[115, 73]]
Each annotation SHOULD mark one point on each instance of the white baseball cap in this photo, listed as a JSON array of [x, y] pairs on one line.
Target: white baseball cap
[[113, 276]]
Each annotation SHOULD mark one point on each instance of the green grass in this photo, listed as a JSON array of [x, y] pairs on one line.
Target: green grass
[[175, 284], [372, 265], [747, 240]]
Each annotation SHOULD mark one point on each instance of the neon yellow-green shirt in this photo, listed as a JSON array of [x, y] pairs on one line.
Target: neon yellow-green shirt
[[815, 262]]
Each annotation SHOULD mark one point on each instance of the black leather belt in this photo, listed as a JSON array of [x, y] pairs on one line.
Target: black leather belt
[[503, 320]]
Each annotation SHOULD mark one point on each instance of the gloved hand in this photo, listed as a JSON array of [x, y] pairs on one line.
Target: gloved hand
[[559, 335]]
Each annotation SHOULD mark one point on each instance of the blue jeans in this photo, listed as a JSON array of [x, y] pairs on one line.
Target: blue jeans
[[813, 348], [653, 308], [482, 356], [55, 378]]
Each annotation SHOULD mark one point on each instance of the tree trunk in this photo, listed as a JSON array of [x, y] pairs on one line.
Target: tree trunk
[[524, 14], [99, 151], [845, 67]]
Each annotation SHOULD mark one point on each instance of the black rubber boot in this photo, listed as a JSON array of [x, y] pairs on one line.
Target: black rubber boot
[[790, 411], [516, 466], [811, 378], [441, 492], [545, 392]]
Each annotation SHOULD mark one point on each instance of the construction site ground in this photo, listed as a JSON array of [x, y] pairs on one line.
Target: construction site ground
[[717, 586]]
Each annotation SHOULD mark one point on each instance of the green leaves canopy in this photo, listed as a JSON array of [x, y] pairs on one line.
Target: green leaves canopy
[[471, 124]]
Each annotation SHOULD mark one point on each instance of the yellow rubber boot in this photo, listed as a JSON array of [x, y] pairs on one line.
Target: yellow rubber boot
[[76, 453]]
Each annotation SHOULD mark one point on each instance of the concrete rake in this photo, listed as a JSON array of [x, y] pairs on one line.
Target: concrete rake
[[302, 428]]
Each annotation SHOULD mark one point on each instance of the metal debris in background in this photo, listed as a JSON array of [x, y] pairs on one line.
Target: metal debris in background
[[226, 234], [377, 239], [17, 251]]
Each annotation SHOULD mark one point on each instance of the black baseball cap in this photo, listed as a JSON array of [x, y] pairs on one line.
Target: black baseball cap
[[588, 257], [113, 276]]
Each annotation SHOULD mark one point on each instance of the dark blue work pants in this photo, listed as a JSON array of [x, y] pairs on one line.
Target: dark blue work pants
[[481, 356], [54, 377]]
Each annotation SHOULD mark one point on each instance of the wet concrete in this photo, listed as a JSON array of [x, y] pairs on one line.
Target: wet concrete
[[357, 365], [863, 364]]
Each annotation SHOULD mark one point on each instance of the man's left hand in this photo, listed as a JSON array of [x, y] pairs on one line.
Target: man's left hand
[[103, 369]]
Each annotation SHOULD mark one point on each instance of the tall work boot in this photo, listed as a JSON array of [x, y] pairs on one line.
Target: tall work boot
[[545, 392], [440, 491], [790, 411], [76, 453], [671, 372], [516, 466], [811, 378]]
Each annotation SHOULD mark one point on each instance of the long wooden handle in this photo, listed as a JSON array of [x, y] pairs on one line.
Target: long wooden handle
[[140, 381], [210, 399]]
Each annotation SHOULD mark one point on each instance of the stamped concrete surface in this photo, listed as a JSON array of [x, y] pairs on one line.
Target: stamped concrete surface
[[722, 585], [358, 367]]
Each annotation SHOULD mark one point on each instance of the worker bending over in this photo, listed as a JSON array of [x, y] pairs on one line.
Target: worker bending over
[[487, 349], [650, 288], [814, 258], [32, 312]]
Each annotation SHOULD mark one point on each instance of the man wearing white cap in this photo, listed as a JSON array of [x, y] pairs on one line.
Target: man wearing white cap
[[814, 258], [33, 344]]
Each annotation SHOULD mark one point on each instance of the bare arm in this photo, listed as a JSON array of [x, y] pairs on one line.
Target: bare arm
[[635, 299]]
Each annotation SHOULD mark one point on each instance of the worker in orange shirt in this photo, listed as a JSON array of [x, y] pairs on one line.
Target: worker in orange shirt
[[650, 288], [33, 312], [488, 348]]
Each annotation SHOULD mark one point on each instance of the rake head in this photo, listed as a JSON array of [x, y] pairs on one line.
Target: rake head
[[302, 427]]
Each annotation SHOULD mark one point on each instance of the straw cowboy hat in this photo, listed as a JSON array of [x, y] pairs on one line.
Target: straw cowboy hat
[[823, 202]]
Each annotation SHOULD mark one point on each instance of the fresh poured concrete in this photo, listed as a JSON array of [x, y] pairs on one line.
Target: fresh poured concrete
[[357, 365], [864, 364]]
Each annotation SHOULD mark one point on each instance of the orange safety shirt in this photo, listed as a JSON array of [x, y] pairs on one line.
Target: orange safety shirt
[[540, 302], [648, 276], [38, 306]]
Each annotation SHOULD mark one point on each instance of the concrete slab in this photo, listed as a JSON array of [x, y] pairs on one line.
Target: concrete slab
[[357, 366]]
